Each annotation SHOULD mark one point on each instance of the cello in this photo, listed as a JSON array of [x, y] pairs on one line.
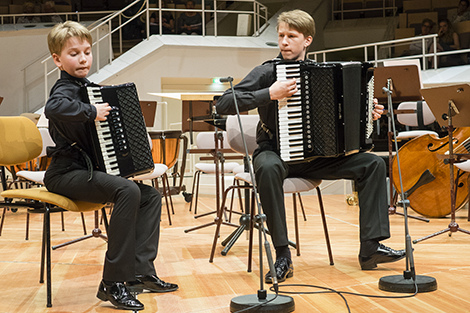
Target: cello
[[426, 177]]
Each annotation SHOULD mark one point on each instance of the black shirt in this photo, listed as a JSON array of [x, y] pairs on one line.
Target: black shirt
[[70, 116]]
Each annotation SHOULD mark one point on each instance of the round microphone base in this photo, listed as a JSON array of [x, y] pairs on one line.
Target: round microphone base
[[282, 304], [398, 283]]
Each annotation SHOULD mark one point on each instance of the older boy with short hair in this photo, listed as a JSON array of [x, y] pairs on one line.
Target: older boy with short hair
[[259, 89], [134, 227]]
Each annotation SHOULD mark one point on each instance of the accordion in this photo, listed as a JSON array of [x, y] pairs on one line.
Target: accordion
[[120, 143], [330, 115]]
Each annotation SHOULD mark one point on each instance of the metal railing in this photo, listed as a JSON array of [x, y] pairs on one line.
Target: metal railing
[[387, 48], [338, 14], [110, 28]]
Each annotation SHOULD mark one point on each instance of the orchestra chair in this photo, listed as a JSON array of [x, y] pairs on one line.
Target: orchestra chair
[[414, 114], [159, 170], [465, 166], [292, 185], [20, 142], [205, 140], [33, 175]]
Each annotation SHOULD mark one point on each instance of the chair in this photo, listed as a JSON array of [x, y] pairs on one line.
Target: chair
[[159, 170], [20, 142], [291, 185], [465, 166], [35, 177], [206, 141], [415, 114]]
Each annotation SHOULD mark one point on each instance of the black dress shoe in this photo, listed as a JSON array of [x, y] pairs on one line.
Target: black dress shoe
[[284, 269], [119, 296], [383, 254], [151, 283]]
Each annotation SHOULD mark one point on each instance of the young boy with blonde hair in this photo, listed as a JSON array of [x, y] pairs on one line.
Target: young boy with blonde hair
[[260, 89], [134, 228]]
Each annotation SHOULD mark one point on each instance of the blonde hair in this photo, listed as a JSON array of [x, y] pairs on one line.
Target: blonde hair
[[62, 32], [299, 20]]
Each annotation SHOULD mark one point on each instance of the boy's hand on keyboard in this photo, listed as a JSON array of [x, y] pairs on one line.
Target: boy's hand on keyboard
[[102, 110], [282, 89]]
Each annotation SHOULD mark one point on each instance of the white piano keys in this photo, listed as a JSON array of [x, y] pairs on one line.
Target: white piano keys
[[104, 135], [290, 115]]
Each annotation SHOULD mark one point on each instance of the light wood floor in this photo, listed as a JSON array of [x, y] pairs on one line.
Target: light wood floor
[[206, 287]]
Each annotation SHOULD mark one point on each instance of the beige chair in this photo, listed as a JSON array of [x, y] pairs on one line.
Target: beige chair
[[34, 177], [20, 142], [206, 141], [294, 185]]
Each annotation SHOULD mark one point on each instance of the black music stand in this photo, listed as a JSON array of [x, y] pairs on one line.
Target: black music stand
[[409, 282], [451, 106], [405, 87]]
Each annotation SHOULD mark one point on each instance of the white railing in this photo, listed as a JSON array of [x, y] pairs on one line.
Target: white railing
[[388, 8], [386, 48], [112, 24]]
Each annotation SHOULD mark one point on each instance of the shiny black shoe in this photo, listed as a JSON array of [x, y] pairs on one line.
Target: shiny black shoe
[[151, 283], [383, 254], [119, 296], [284, 269]]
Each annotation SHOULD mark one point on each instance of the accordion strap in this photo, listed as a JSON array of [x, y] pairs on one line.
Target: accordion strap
[[88, 161]]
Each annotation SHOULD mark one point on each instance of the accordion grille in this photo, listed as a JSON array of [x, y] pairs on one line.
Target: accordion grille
[[137, 134], [323, 119]]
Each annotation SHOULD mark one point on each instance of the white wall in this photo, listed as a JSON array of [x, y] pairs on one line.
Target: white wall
[[21, 71], [18, 49]]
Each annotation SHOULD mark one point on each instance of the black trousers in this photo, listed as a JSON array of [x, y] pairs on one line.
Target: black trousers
[[366, 169], [134, 227]]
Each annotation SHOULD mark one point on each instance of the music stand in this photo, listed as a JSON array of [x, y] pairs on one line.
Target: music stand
[[451, 106], [406, 86]]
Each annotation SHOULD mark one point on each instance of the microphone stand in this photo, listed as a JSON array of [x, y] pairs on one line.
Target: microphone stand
[[261, 301], [409, 282]]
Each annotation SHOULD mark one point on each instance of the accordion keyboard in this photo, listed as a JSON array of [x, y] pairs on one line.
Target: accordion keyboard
[[104, 133]]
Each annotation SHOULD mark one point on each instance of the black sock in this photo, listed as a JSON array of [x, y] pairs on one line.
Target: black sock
[[283, 251], [368, 247]]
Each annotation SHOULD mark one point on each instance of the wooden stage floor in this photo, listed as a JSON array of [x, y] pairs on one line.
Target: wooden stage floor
[[209, 287]]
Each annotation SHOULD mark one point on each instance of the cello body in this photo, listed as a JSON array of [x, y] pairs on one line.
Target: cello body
[[426, 177]]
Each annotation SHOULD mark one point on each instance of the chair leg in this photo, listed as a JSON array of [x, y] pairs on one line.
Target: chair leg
[[43, 252], [168, 190], [195, 178], [62, 219], [46, 255], [1, 222], [302, 206], [47, 220], [83, 223], [166, 198], [296, 223], [325, 227], [27, 226], [197, 192], [218, 222]]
